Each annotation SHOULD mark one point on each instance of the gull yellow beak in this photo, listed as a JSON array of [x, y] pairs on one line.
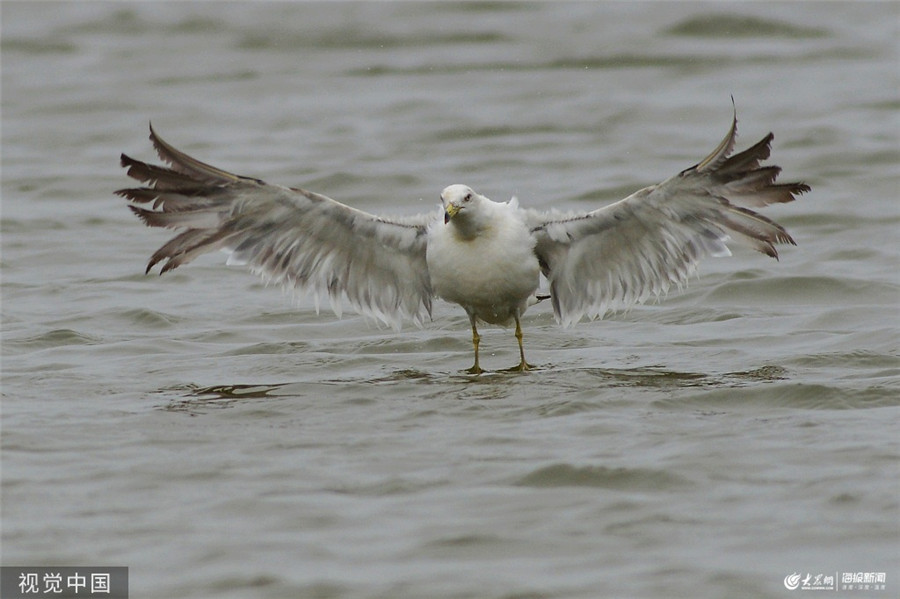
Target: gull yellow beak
[[450, 212]]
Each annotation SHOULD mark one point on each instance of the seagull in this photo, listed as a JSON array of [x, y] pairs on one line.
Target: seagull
[[486, 256]]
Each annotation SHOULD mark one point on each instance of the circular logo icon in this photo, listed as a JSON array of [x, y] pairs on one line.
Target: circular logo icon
[[792, 581]]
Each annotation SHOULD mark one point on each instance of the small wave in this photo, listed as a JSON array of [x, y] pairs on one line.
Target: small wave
[[732, 26], [850, 360], [269, 348], [830, 290], [38, 46], [289, 40], [149, 318], [790, 394], [54, 338], [687, 61], [567, 475]]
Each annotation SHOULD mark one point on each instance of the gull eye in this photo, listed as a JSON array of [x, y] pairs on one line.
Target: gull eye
[[468, 197]]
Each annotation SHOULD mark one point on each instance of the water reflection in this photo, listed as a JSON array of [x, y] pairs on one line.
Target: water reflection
[[542, 383]]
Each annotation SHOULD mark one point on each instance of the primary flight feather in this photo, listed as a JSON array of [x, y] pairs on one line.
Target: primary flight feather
[[485, 256]]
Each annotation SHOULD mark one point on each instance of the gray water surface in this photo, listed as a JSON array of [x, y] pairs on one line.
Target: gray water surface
[[221, 439]]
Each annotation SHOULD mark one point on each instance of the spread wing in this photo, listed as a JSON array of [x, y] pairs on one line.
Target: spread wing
[[622, 254], [293, 237]]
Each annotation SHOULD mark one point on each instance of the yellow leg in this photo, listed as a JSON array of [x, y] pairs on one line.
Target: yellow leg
[[523, 365], [476, 339]]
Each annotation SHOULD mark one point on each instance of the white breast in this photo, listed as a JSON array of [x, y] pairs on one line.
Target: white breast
[[492, 274]]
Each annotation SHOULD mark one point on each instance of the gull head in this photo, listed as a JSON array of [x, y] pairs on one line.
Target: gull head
[[459, 201]]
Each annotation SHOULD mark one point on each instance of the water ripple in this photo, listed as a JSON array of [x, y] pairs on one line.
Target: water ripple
[[568, 475]]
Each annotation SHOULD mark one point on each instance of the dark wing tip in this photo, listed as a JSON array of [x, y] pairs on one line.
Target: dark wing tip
[[722, 151], [156, 140], [188, 165], [142, 213]]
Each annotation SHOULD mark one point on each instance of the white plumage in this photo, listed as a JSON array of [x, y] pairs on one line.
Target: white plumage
[[483, 255]]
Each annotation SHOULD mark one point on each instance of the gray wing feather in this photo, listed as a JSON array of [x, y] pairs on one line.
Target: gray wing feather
[[292, 237], [639, 247]]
